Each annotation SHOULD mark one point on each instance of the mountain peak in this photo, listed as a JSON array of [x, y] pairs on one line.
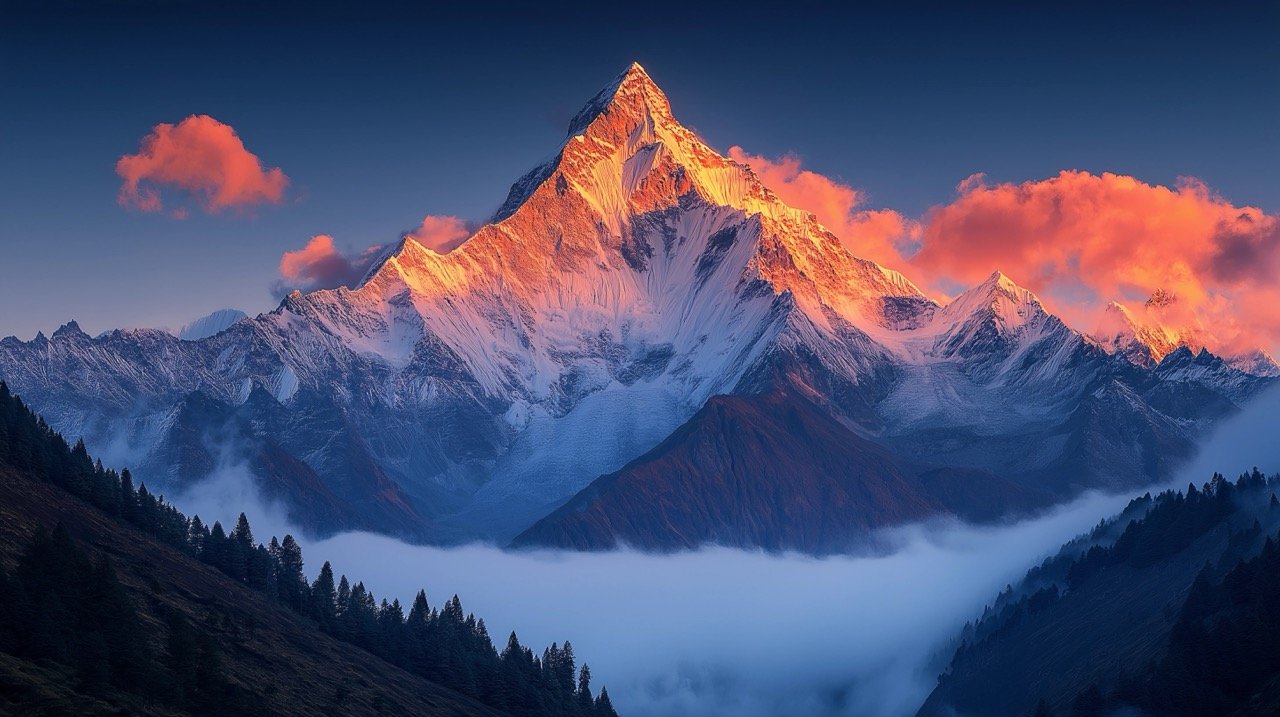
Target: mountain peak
[[1161, 299], [71, 328], [631, 190], [998, 280], [1256, 363], [997, 297], [1142, 337], [999, 285], [632, 93]]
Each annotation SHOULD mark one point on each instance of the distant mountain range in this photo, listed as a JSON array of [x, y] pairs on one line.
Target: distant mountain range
[[646, 346]]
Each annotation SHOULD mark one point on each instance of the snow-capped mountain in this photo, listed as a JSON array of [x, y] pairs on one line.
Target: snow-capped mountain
[[206, 326], [621, 285], [1147, 335], [1144, 338]]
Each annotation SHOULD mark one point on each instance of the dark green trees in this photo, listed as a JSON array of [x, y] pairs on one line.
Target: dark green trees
[[64, 607], [324, 599]]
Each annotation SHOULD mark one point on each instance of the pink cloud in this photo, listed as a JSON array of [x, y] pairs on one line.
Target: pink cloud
[[1082, 239], [876, 234], [321, 265], [440, 233], [1078, 239], [200, 157]]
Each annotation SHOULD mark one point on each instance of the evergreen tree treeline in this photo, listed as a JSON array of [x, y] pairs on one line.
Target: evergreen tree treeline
[[1223, 650], [443, 644]]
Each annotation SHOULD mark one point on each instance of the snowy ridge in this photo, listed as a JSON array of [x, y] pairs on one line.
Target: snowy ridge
[[206, 326], [1145, 341], [1146, 336]]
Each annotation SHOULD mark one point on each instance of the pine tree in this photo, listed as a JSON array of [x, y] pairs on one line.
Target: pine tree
[[128, 498], [324, 599], [604, 706], [292, 584], [216, 547], [80, 473], [261, 571], [344, 596], [240, 550], [566, 669], [585, 702]]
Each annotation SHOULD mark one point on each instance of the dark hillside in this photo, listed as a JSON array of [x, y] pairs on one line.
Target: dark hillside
[[112, 599], [271, 657], [1127, 616]]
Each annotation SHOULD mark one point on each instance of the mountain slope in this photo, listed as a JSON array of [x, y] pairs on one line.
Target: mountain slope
[[762, 471], [277, 658], [62, 610]]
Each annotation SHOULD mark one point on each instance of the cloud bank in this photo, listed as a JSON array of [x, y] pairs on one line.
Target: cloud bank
[[441, 234], [1080, 240], [202, 158], [722, 632], [717, 632], [321, 265]]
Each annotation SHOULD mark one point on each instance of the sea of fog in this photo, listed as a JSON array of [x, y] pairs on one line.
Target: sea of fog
[[722, 632]]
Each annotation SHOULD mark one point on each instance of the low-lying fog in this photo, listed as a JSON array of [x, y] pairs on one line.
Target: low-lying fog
[[716, 631], [731, 632]]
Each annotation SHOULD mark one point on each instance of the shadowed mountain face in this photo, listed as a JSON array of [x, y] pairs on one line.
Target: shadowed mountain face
[[771, 471], [623, 284]]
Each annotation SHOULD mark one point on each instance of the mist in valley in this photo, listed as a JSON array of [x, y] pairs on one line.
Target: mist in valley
[[721, 632]]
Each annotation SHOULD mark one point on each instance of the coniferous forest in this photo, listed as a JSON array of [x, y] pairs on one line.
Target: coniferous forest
[[64, 607], [1172, 608]]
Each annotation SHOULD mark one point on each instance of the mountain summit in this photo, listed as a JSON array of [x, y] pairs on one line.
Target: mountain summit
[[621, 285]]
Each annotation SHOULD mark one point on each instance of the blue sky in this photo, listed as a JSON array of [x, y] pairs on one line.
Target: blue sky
[[382, 115]]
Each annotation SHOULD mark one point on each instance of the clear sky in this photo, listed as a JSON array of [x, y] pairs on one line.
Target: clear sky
[[382, 115]]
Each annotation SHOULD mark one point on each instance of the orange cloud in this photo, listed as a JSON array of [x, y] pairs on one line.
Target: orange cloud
[[202, 157], [440, 233], [1078, 239], [876, 234], [1082, 239], [320, 265]]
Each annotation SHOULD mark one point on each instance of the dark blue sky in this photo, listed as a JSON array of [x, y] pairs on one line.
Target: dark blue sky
[[384, 114]]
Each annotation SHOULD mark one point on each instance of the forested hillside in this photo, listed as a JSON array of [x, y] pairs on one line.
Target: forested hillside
[[112, 600], [1172, 608]]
